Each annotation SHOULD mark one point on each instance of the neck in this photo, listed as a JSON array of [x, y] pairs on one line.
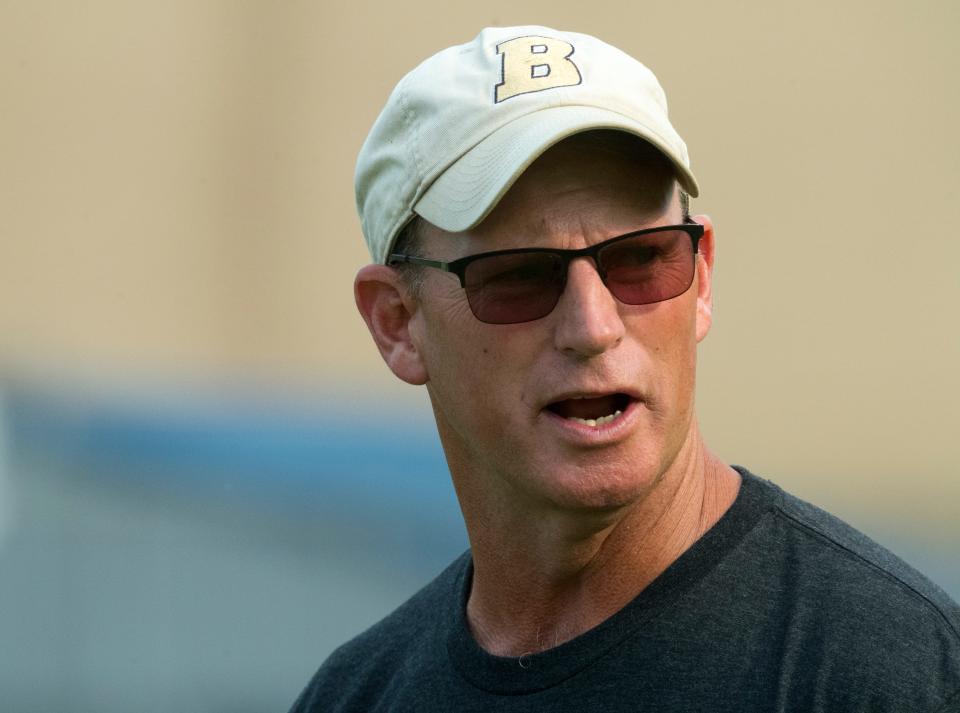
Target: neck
[[542, 578]]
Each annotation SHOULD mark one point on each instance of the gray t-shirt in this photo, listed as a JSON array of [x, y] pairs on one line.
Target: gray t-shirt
[[778, 607]]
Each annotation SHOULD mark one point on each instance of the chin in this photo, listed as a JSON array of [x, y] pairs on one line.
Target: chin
[[599, 488]]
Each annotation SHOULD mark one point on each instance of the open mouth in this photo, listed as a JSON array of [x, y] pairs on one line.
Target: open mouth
[[593, 411]]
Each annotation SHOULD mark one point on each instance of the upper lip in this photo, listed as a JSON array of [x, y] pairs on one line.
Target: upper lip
[[592, 394]]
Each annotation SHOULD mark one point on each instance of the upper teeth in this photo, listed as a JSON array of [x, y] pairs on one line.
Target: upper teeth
[[596, 421]]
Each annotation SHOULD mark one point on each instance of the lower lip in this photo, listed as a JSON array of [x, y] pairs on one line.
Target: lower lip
[[601, 435]]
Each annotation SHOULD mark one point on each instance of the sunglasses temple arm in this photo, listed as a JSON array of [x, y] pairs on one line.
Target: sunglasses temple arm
[[413, 260]]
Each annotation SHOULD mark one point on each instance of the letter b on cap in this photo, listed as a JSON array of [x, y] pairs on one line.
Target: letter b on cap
[[532, 64]]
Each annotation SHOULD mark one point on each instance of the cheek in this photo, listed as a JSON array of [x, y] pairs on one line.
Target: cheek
[[464, 366], [443, 328], [674, 353], [475, 389], [685, 370]]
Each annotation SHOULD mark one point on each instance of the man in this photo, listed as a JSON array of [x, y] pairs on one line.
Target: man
[[524, 198]]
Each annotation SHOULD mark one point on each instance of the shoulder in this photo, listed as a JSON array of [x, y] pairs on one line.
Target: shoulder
[[361, 671], [849, 606], [869, 568]]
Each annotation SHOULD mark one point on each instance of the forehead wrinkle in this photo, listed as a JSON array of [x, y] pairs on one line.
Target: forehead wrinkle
[[574, 228]]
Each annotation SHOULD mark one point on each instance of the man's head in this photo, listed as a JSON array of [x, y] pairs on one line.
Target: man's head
[[585, 402]]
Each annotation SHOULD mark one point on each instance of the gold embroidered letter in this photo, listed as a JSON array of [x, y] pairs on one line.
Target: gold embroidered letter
[[532, 64]]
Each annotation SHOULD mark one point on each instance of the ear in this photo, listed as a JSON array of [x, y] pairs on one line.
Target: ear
[[387, 307], [705, 255]]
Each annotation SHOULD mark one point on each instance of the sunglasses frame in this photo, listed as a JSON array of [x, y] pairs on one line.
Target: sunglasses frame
[[459, 266]]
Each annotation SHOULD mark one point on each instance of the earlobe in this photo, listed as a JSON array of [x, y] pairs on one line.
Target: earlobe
[[705, 258], [380, 297]]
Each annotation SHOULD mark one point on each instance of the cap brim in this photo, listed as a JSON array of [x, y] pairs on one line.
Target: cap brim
[[468, 190]]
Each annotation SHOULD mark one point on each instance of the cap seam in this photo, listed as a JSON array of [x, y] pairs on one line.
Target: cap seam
[[414, 129]]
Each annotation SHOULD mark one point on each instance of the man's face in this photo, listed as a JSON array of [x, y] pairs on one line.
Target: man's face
[[505, 396]]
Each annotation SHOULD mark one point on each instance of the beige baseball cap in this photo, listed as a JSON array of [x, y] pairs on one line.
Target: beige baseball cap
[[460, 128]]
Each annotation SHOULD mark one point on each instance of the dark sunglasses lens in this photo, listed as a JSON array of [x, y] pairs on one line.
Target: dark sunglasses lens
[[649, 268], [507, 289]]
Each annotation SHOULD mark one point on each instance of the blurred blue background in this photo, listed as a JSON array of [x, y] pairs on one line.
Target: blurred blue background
[[205, 557]]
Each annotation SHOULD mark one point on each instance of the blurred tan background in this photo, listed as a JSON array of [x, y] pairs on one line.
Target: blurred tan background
[[176, 198], [176, 207]]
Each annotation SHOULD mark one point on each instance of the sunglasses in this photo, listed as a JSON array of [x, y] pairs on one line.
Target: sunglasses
[[524, 284]]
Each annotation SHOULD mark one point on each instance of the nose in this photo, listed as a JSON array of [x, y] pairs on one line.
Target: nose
[[588, 321]]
